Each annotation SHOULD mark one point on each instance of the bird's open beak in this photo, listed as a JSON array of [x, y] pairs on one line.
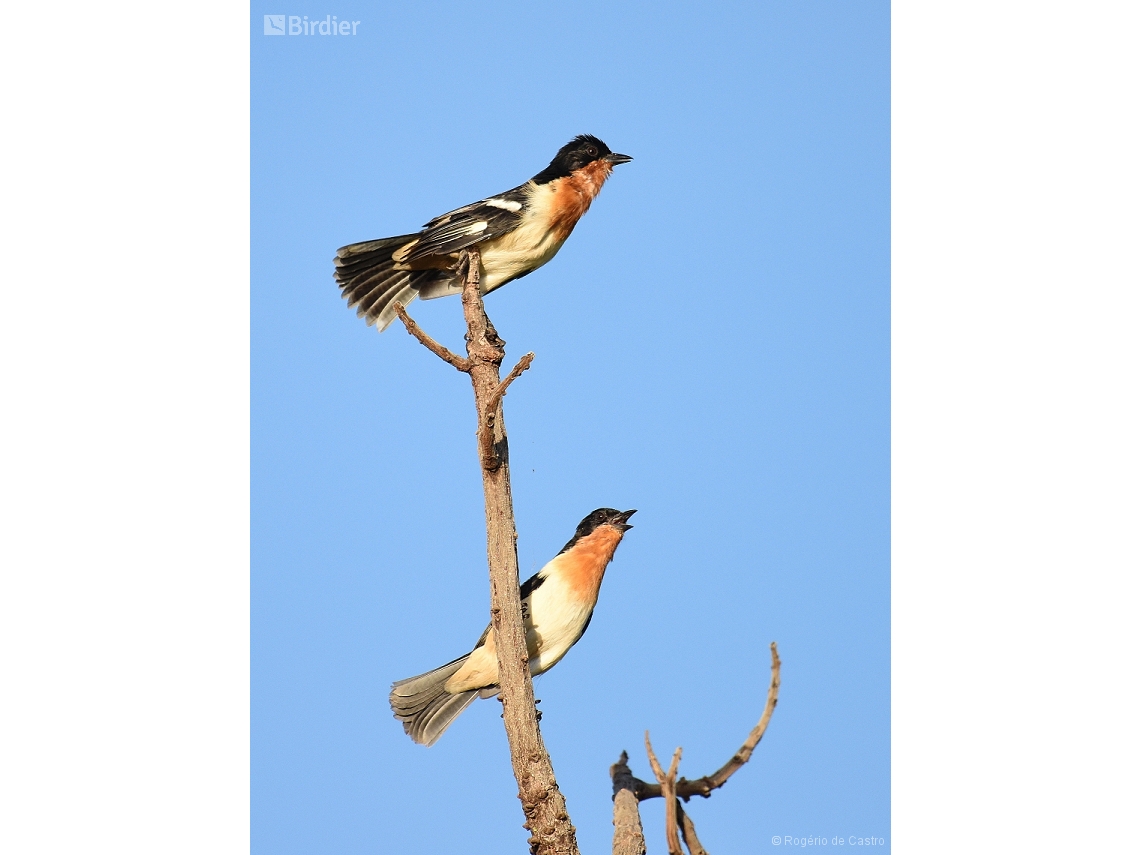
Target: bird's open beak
[[615, 159], [622, 518]]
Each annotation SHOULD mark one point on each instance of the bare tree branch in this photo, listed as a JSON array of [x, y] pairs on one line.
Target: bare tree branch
[[689, 831], [430, 343], [542, 801], [487, 452], [627, 788], [629, 838], [704, 786], [668, 783], [669, 788], [516, 372]]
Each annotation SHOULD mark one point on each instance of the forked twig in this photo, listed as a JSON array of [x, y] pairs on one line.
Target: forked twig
[[668, 783], [487, 452], [485, 348], [414, 330], [501, 389], [628, 790]]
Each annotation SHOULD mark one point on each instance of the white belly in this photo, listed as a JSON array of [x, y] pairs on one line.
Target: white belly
[[554, 621], [529, 246]]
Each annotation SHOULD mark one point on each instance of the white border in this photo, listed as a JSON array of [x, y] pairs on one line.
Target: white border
[[124, 601], [1014, 426]]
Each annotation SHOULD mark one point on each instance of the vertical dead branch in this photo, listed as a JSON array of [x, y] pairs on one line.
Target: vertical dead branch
[[668, 782], [689, 831], [543, 803], [629, 838]]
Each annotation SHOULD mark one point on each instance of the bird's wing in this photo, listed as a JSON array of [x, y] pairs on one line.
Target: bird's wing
[[471, 224], [525, 590], [531, 585]]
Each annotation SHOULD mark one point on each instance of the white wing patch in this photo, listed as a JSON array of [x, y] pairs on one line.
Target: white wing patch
[[505, 204]]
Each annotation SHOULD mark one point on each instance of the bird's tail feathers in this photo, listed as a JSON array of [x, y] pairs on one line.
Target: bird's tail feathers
[[441, 288], [425, 707], [372, 284]]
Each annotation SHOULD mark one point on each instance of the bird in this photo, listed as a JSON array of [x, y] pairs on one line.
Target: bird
[[557, 605], [515, 232]]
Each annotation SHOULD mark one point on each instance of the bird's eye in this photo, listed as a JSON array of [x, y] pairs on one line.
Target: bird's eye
[[590, 150]]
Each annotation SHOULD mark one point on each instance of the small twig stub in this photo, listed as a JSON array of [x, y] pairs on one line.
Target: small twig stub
[[629, 837], [501, 390]]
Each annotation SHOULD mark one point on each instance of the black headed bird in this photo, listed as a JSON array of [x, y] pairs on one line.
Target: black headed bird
[[516, 233], [557, 604]]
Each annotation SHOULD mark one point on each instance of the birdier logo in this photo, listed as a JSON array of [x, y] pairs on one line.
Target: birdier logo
[[300, 25]]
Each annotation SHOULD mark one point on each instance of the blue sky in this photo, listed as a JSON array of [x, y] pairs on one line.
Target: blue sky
[[712, 348]]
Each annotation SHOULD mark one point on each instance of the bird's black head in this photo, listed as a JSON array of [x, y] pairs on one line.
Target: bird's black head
[[580, 151], [599, 518]]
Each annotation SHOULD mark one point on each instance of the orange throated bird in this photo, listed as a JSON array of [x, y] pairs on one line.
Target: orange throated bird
[[516, 233], [557, 604]]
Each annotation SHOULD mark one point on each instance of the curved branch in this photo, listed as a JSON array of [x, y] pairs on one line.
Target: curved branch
[[704, 786]]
